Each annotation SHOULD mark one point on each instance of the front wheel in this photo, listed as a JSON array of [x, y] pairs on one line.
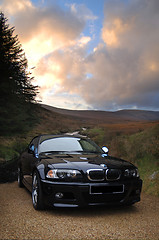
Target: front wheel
[[37, 196]]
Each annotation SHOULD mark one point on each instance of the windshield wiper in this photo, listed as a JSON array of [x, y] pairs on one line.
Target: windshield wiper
[[91, 151], [60, 152], [69, 152], [49, 152]]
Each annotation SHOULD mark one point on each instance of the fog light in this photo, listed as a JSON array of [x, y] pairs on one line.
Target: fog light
[[59, 195]]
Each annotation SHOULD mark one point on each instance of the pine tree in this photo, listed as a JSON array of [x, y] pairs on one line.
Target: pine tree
[[17, 94]]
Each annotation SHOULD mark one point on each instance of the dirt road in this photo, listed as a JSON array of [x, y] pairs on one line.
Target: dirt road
[[18, 219]]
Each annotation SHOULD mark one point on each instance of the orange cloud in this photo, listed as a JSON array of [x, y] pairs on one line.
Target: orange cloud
[[42, 30], [12, 7], [112, 32]]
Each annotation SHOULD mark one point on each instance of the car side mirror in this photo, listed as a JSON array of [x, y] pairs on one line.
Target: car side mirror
[[31, 149], [105, 149]]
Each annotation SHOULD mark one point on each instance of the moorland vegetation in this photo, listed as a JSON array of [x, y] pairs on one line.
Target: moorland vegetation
[[137, 142]]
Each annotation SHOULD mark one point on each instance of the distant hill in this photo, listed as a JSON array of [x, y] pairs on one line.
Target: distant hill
[[108, 116]]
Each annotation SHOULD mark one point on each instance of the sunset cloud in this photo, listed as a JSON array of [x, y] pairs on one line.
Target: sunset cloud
[[113, 31], [125, 71], [120, 71], [42, 29], [14, 6]]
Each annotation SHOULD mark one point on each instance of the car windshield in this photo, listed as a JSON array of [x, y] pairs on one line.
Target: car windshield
[[68, 144]]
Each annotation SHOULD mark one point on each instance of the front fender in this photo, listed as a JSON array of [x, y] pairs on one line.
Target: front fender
[[40, 168]]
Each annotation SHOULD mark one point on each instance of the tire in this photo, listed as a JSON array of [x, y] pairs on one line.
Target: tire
[[37, 196], [20, 178], [129, 204]]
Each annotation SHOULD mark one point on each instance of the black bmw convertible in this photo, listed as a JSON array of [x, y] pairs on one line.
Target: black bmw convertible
[[71, 171]]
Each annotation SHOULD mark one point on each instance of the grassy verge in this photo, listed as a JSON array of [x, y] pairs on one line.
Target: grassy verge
[[10, 148], [149, 172], [141, 148]]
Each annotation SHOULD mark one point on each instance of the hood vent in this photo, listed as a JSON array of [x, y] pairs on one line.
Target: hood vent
[[63, 156]]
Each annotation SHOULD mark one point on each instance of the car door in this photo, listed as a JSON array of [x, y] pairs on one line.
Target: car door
[[29, 158]]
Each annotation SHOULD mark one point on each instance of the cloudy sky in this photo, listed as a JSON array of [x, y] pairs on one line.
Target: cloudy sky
[[90, 54]]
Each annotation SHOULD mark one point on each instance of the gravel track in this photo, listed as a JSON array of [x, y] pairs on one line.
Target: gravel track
[[18, 219]]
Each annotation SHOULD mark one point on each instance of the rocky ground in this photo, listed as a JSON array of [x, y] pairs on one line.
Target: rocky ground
[[18, 219]]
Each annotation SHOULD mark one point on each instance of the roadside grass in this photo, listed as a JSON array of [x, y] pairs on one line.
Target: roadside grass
[[7, 154], [97, 134], [149, 172], [10, 148], [140, 148]]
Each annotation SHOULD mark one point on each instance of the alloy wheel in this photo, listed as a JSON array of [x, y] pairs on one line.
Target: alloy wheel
[[35, 190]]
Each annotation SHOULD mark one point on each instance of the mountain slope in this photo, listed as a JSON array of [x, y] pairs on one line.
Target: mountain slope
[[122, 115]]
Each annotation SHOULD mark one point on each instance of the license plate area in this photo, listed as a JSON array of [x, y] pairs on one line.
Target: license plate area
[[103, 189]]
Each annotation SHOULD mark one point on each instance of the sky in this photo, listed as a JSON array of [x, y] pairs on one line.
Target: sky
[[90, 54]]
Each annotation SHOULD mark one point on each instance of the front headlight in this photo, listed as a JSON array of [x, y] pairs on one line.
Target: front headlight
[[131, 173], [63, 174]]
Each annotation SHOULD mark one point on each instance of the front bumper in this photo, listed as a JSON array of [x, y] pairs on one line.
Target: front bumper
[[64, 194]]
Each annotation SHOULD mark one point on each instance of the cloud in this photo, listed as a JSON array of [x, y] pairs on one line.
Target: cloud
[[112, 32], [52, 39], [65, 67], [131, 36], [12, 7], [42, 29], [121, 72], [125, 71], [82, 12]]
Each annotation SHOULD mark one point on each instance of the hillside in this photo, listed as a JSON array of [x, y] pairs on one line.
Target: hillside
[[108, 116], [134, 140]]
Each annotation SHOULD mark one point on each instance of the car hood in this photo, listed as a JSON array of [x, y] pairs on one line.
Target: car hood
[[84, 162]]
